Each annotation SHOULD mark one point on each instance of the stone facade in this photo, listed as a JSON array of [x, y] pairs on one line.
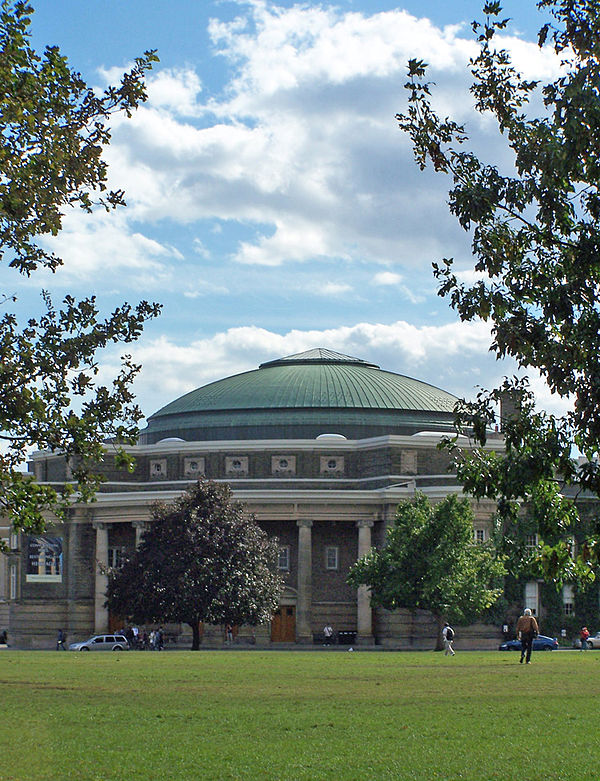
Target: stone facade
[[327, 504]]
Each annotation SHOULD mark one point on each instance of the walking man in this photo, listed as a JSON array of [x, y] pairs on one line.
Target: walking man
[[448, 636], [527, 629], [60, 641]]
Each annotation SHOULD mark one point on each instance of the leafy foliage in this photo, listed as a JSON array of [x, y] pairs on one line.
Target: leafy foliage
[[54, 132], [430, 561], [202, 560], [535, 239]]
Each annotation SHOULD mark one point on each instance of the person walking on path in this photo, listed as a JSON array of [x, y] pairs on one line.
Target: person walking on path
[[327, 634], [448, 636], [60, 640], [584, 634], [527, 629]]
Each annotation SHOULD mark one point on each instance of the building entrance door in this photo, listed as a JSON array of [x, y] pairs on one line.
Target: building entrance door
[[283, 624], [115, 623]]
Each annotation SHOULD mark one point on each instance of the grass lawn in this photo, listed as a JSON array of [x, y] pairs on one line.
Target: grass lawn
[[294, 715]]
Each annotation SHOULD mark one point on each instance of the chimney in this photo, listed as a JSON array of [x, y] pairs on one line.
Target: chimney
[[510, 405]]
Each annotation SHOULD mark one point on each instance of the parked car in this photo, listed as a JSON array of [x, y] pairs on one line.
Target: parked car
[[102, 643], [540, 643]]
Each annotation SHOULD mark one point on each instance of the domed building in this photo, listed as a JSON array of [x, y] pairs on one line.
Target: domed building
[[302, 396], [320, 446]]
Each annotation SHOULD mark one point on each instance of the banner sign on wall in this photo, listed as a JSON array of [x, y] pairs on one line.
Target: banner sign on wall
[[44, 560]]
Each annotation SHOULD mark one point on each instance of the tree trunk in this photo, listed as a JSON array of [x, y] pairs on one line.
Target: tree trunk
[[195, 635], [439, 642]]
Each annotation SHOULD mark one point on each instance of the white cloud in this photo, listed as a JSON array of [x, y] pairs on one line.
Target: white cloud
[[303, 139], [201, 249], [333, 289], [101, 246], [387, 278], [470, 277], [544, 399], [392, 279], [175, 90], [202, 289], [288, 48], [302, 142], [292, 240]]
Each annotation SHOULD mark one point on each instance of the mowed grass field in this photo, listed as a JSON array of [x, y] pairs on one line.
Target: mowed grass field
[[299, 715]]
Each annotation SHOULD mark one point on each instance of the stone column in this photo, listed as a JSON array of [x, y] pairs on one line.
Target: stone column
[[364, 623], [140, 528], [101, 613], [304, 602]]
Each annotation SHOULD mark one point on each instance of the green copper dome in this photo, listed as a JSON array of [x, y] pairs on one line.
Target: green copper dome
[[301, 396]]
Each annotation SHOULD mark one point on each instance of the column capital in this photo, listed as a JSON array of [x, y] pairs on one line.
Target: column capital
[[139, 524], [365, 523], [100, 525], [304, 522]]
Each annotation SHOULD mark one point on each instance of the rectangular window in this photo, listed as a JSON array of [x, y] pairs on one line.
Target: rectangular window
[[568, 596], [13, 581], [532, 596], [283, 562], [331, 557], [115, 557], [531, 541], [479, 535]]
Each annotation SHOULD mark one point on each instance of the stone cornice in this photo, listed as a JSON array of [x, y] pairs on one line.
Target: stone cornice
[[241, 446]]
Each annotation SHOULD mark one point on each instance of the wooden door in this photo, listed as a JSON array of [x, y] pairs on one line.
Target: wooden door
[[115, 623], [283, 624]]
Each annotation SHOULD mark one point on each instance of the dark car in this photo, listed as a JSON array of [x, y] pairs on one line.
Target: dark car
[[540, 643]]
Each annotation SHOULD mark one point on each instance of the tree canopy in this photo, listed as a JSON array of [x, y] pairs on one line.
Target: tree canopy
[[202, 559], [535, 241], [54, 132], [429, 561]]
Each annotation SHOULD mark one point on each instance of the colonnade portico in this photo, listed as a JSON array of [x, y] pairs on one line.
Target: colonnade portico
[[304, 628], [364, 622], [101, 579]]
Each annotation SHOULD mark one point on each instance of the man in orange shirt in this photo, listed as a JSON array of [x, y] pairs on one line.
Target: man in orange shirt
[[527, 629]]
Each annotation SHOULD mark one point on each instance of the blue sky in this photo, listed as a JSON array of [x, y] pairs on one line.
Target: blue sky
[[273, 204]]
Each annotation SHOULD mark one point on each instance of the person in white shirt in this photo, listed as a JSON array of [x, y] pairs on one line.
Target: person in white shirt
[[328, 634], [448, 635]]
